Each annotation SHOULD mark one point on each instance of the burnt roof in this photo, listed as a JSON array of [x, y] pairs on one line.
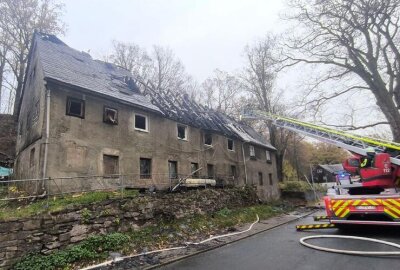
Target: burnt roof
[[67, 65]]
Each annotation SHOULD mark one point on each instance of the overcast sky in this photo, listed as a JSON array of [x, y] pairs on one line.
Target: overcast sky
[[204, 34]]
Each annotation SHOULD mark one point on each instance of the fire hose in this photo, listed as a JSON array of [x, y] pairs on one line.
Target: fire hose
[[352, 252], [187, 244]]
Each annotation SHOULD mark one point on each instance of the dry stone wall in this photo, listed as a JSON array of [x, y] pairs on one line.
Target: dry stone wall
[[48, 232]]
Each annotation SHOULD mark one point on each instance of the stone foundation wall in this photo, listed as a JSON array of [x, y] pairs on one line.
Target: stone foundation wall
[[48, 232]]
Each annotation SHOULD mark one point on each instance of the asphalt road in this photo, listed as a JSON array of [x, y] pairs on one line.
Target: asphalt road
[[279, 248]]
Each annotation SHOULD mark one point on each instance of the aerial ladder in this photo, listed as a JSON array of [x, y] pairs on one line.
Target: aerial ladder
[[371, 196]]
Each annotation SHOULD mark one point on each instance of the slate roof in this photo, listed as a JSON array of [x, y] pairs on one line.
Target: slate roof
[[67, 65]]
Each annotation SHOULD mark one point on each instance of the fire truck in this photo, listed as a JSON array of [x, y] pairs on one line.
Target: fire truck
[[371, 196]]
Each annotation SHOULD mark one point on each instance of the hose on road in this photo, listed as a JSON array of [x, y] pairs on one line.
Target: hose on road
[[352, 252], [187, 244]]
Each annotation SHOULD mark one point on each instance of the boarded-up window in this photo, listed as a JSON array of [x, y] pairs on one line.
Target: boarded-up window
[[145, 168], [194, 168], [210, 171], [110, 116], [173, 169], [270, 179], [141, 122], [230, 144], [75, 107], [208, 139], [182, 132], [110, 165], [260, 179], [32, 157]]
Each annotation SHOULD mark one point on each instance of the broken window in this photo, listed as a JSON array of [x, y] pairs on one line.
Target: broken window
[[75, 107], [270, 179], [233, 171], [110, 116], [182, 132], [230, 144], [210, 171], [252, 151], [141, 122], [268, 155], [194, 168], [260, 179], [208, 139], [110, 165], [173, 169], [32, 157], [145, 168]]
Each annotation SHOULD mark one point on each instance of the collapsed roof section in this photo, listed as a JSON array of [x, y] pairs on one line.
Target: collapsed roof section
[[69, 66]]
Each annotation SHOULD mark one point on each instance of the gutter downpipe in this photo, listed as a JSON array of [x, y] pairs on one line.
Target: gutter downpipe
[[244, 162], [47, 133]]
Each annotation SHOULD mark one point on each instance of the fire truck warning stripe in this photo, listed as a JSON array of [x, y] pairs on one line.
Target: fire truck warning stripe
[[387, 211], [345, 213], [394, 202], [391, 208], [337, 204], [372, 202], [343, 207], [356, 202]]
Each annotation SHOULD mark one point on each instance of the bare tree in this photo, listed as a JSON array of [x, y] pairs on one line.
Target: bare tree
[[221, 92], [133, 58], [258, 77], [356, 45], [18, 20], [158, 71]]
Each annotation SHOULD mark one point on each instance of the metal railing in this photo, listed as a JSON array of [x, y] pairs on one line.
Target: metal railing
[[59, 186]]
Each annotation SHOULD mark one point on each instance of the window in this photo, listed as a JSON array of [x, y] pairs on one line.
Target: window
[[260, 179], [182, 132], [268, 156], [110, 116], [208, 139], [270, 179], [194, 168], [75, 107], [173, 169], [141, 122], [210, 171], [110, 165], [32, 157], [233, 171], [145, 168], [230, 144], [252, 151]]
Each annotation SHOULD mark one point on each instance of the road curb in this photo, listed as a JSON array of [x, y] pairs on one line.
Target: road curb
[[227, 243]]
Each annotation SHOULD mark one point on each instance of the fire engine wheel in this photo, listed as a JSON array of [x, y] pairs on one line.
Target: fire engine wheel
[[352, 252]]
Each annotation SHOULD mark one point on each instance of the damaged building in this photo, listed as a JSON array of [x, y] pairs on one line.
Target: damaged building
[[85, 119]]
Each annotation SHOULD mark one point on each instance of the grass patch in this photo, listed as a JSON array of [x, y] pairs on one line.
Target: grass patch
[[161, 235], [17, 209]]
